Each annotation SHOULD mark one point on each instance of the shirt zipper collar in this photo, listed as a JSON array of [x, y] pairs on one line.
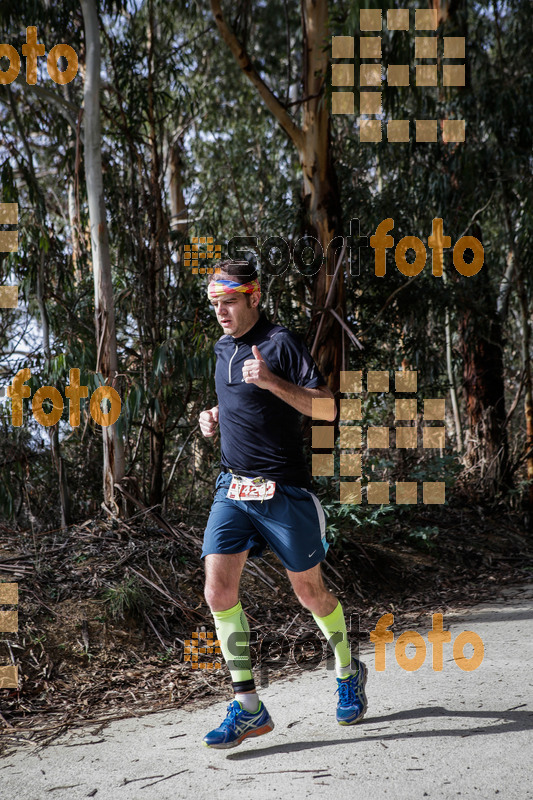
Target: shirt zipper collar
[[231, 359]]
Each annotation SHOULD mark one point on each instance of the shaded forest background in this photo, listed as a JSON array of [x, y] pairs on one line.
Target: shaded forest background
[[214, 120]]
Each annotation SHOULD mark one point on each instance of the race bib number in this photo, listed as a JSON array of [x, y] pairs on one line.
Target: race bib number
[[251, 489]]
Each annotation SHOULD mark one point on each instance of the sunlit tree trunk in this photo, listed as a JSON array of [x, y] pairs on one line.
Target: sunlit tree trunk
[[178, 209], [107, 360]]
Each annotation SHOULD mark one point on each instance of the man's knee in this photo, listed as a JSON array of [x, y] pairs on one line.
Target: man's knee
[[219, 596], [308, 594]]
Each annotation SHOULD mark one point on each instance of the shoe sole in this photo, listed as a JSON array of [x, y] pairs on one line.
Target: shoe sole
[[363, 712], [356, 720], [266, 728]]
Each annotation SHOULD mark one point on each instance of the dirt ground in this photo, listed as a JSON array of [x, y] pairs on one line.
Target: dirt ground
[[105, 609]]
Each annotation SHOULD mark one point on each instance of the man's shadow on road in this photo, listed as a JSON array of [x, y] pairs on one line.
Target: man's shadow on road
[[509, 721]]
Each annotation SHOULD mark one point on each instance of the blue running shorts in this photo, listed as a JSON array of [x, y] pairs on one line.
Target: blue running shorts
[[292, 524]]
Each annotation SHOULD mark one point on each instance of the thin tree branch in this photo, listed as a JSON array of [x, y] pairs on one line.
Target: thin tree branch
[[328, 298], [67, 109], [341, 322], [387, 302], [243, 60]]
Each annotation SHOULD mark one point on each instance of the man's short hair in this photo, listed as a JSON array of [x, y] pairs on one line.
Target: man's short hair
[[238, 271]]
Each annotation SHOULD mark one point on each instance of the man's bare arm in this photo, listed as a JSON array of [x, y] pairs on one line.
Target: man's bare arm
[[299, 397]]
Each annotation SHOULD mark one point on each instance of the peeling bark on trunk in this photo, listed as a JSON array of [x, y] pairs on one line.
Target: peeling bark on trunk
[[320, 186], [483, 385], [528, 399], [74, 236]]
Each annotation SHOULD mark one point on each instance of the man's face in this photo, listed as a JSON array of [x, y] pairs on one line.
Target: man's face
[[237, 312]]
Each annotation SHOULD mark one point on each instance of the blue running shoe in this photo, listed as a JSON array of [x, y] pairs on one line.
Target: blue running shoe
[[238, 725], [352, 703]]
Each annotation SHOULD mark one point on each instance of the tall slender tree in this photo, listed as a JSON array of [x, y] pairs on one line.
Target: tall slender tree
[[104, 309]]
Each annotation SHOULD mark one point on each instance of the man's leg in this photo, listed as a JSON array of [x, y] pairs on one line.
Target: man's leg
[[328, 614], [222, 579], [327, 611], [247, 717]]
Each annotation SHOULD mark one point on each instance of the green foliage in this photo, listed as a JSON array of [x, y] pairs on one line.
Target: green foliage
[[129, 599], [174, 87], [423, 537]]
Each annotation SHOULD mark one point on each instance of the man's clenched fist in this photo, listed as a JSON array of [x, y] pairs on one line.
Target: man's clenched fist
[[209, 421]]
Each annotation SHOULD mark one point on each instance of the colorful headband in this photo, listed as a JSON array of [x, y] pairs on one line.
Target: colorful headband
[[220, 287]]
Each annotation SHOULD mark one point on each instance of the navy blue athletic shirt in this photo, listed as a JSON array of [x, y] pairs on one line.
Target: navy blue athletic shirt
[[261, 434]]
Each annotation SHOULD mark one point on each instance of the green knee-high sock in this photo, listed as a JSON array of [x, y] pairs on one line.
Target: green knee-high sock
[[334, 629], [233, 633]]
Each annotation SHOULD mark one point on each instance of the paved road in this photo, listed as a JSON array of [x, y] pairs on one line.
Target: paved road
[[445, 734]]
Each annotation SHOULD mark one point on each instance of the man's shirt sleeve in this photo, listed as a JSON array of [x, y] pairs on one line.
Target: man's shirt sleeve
[[297, 363]]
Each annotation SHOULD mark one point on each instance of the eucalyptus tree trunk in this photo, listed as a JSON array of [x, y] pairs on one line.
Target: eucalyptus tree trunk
[[514, 276], [481, 345], [528, 381], [155, 285], [451, 376], [312, 142], [178, 207], [107, 360]]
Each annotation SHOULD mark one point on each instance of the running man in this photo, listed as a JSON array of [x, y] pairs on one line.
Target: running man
[[265, 378]]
